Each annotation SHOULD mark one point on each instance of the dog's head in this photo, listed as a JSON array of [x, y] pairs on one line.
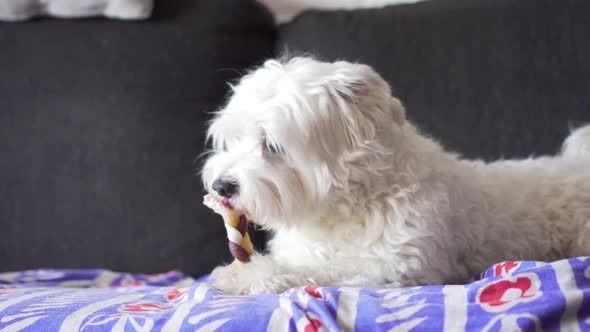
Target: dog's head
[[292, 135]]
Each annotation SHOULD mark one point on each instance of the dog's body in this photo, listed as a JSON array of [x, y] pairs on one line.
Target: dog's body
[[322, 155]]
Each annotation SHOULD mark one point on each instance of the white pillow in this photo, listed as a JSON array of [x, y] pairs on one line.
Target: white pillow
[[19, 10], [286, 10]]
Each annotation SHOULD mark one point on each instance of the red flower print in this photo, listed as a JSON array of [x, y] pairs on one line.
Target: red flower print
[[309, 323], [313, 326], [504, 268], [129, 284], [506, 293], [175, 294], [144, 307], [313, 291]]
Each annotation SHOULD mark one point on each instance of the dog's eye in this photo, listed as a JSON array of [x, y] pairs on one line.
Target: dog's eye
[[269, 148]]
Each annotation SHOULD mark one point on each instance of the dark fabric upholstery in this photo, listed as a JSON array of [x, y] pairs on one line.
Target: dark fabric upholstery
[[490, 78], [100, 125], [101, 121]]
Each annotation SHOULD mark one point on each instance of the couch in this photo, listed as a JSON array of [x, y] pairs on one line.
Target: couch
[[102, 122]]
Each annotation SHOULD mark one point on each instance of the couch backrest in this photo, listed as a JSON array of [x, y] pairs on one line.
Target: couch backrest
[[101, 121], [100, 125]]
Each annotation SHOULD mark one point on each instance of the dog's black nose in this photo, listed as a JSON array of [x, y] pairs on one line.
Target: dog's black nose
[[225, 188]]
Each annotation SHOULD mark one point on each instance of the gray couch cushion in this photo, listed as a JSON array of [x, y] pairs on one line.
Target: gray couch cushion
[[491, 78], [100, 125]]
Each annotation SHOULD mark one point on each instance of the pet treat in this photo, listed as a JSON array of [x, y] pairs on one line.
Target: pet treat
[[236, 225]]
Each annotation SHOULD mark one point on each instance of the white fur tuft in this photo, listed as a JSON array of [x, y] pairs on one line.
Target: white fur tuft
[[578, 143]]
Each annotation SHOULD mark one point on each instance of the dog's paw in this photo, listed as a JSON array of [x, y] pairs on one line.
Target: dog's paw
[[224, 278], [256, 277]]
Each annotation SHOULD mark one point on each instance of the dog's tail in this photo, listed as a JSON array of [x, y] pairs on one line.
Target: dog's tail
[[577, 144]]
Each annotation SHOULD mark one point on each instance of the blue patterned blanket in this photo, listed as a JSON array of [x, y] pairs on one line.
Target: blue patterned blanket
[[511, 296]]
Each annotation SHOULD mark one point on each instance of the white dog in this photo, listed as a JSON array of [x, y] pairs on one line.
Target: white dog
[[322, 155]]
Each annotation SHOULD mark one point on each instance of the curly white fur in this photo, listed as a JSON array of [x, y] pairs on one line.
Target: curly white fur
[[355, 195]]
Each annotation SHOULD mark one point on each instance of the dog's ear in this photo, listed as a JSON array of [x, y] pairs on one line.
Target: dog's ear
[[364, 99]]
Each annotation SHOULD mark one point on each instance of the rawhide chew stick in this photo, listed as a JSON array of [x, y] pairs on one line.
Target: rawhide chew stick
[[236, 226]]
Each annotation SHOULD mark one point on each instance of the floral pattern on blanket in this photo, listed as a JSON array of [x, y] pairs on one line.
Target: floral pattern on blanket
[[510, 296]]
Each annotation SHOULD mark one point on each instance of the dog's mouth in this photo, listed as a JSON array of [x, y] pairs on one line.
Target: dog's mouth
[[234, 204], [228, 204]]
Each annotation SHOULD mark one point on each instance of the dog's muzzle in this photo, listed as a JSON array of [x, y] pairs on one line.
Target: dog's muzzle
[[225, 187]]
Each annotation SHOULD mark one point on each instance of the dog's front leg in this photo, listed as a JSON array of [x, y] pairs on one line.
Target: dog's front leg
[[260, 275]]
